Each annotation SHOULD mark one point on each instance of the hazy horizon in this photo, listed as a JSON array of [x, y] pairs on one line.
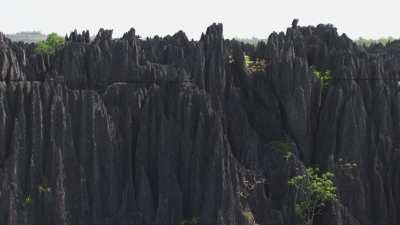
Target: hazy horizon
[[253, 18]]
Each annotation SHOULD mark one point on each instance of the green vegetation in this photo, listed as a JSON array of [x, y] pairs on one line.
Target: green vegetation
[[254, 66], [288, 155], [192, 221], [368, 42], [312, 193], [324, 76], [28, 200], [249, 217], [52, 43], [282, 146]]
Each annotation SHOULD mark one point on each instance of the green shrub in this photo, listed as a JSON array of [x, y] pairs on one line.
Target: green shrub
[[28, 200], [283, 147], [254, 66], [312, 193], [324, 76], [52, 43], [249, 217]]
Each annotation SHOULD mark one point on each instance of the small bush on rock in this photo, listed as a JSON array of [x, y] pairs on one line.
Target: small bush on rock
[[312, 193], [250, 217], [257, 65], [324, 76]]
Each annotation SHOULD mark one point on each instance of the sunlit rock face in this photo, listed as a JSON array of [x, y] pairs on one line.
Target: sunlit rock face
[[168, 131]]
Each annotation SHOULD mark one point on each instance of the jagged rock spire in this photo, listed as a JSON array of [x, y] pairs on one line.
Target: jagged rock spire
[[295, 22], [75, 37]]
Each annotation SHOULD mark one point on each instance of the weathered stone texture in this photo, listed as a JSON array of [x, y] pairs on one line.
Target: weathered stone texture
[[159, 131]]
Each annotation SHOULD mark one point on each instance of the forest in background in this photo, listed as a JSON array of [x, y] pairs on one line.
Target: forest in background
[[37, 36]]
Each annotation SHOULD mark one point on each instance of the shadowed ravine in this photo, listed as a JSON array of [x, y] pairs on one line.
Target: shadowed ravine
[[167, 130]]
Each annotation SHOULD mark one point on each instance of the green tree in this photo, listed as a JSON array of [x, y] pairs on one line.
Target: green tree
[[312, 193], [324, 76], [52, 43]]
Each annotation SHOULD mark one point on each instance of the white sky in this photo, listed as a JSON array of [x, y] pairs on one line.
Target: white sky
[[241, 18]]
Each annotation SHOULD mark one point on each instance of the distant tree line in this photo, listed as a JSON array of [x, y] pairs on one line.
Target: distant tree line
[[368, 42], [27, 37], [252, 41], [360, 41]]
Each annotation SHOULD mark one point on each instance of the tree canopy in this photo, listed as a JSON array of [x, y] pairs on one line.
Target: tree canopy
[[52, 43], [312, 193]]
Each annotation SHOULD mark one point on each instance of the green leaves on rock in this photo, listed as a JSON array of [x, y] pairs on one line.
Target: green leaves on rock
[[323, 76], [257, 65], [312, 193]]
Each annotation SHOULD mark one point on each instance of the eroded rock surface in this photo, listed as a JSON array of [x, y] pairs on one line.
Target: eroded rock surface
[[169, 130]]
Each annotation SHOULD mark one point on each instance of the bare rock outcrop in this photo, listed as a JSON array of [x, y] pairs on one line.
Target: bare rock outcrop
[[172, 131]]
